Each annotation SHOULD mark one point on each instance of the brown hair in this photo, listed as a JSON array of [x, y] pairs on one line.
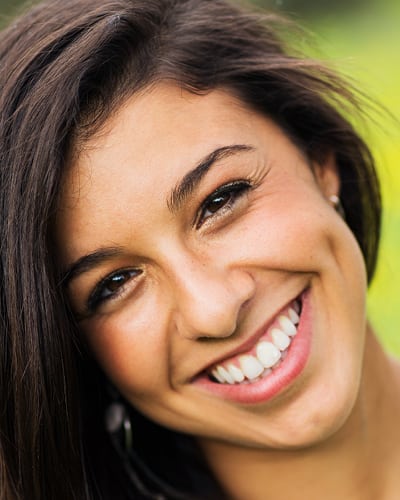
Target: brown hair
[[65, 66]]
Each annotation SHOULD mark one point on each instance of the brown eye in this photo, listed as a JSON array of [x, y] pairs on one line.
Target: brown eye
[[110, 287], [113, 283], [222, 200], [218, 202]]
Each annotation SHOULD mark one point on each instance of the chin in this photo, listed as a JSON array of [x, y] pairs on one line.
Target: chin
[[319, 424]]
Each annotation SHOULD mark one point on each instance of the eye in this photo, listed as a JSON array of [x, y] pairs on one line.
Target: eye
[[111, 287], [222, 200]]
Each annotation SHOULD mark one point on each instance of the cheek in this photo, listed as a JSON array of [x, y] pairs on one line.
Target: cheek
[[303, 234], [131, 348], [295, 233]]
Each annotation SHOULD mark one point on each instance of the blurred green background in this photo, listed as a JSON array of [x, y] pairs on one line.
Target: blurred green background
[[360, 38]]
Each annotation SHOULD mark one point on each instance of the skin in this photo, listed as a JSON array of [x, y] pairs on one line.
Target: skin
[[205, 282]]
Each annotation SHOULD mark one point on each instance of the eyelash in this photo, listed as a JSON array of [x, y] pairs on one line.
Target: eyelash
[[234, 189], [228, 194], [97, 297]]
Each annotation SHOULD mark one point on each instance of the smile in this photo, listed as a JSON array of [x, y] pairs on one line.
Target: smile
[[270, 364], [270, 350]]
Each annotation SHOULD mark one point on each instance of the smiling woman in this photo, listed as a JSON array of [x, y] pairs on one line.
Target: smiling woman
[[188, 229]]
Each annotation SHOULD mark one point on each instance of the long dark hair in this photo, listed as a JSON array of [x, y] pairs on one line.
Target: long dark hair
[[66, 65]]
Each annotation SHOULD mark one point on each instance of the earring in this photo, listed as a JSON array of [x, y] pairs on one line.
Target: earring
[[337, 205], [117, 419], [118, 424]]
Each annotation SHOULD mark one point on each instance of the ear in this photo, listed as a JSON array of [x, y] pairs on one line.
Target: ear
[[327, 176]]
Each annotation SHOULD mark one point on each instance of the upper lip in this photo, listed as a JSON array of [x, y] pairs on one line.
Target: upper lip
[[249, 342]]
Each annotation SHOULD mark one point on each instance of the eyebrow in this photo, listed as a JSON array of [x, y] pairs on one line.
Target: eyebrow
[[192, 179], [87, 263], [177, 197]]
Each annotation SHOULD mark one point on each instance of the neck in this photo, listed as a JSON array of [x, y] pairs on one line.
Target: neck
[[358, 462]]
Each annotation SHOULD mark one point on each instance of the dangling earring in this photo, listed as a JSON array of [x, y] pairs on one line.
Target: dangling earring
[[117, 419], [118, 424], [337, 205]]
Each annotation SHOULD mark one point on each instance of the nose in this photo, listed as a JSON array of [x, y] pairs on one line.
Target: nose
[[209, 298]]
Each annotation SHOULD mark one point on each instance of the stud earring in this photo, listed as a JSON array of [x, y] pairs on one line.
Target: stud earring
[[337, 205]]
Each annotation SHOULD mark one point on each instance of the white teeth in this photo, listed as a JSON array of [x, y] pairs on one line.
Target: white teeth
[[236, 373], [225, 375], [251, 367], [287, 326], [280, 339], [294, 317], [268, 354], [217, 376]]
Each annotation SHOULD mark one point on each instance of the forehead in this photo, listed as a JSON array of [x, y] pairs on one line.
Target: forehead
[[129, 167], [160, 131]]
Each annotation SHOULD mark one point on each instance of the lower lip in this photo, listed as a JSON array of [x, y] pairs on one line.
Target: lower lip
[[279, 379]]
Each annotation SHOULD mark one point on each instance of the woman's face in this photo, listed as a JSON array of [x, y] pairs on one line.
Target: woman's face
[[195, 233]]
